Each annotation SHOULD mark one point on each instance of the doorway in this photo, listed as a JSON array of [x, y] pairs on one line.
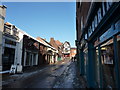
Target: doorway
[[8, 58]]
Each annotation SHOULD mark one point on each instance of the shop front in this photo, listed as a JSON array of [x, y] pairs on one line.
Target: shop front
[[100, 49], [101, 59], [30, 51], [10, 46]]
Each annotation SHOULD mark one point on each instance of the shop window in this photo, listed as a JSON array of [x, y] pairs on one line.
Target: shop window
[[107, 57], [107, 52], [27, 58], [34, 59]]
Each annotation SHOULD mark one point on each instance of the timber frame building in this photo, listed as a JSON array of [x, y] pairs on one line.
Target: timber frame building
[[98, 43]]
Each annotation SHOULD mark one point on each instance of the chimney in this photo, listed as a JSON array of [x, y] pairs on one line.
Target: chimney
[[51, 39]]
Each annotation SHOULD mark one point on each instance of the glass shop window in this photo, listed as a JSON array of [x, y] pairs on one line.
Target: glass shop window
[[107, 52], [34, 59], [27, 58], [107, 57]]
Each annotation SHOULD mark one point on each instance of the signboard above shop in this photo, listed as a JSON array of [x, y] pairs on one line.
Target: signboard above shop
[[108, 34]]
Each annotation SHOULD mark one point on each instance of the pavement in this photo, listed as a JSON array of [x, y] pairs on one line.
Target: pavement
[[71, 78], [63, 74]]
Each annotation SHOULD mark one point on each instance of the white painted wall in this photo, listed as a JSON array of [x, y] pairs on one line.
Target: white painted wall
[[19, 46]]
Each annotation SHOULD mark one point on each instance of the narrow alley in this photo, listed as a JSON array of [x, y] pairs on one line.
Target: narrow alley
[[60, 44]]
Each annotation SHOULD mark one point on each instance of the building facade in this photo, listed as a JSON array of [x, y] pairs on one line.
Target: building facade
[[12, 46], [50, 53], [72, 52], [98, 42], [66, 49], [57, 45], [2, 18]]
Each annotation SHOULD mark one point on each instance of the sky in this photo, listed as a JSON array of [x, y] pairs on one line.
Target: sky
[[44, 19]]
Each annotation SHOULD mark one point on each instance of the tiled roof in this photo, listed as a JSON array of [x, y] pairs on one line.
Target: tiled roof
[[58, 42], [43, 42]]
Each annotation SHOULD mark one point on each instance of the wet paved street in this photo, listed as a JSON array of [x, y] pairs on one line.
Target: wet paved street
[[66, 80], [60, 75]]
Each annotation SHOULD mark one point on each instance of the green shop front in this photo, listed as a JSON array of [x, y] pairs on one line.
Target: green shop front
[[99, 47]]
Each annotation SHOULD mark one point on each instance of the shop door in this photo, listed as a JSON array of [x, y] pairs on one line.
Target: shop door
[[8, 58]]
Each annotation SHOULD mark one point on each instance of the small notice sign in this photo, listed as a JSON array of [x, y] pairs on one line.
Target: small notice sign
[[19, 68], [13, 69]]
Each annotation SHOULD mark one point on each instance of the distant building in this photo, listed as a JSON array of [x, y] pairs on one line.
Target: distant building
[[58, 45], [66, 49], [72, 52], [50, 53]]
